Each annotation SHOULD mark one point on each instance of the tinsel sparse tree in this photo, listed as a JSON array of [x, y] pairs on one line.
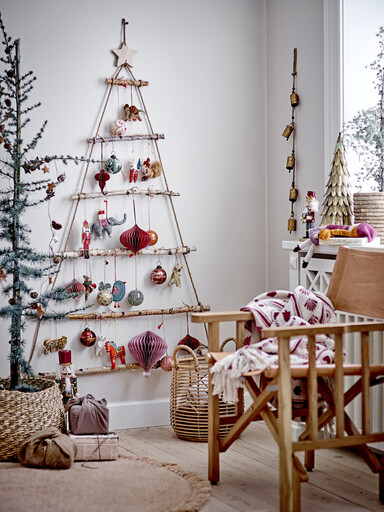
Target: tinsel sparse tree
[[338, 202], [365, 132], [19, 261]]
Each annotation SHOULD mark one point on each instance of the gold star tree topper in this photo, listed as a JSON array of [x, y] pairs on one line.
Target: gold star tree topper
[[124, 55]]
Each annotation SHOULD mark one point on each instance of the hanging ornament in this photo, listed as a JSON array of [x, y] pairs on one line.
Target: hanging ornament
[[3, 276], [133, 174], [88, 285], [115, 352], [147, 348], [154, 237], [138, 166], [113, 164], [87, 337], [119, 127], [151, 171], [135, 238], [166, 363], [100, 344], [56, 225], [190, 342], [54, 345], [158, 275], [118, 292], [131, 113], [102, 177], [86, 238], [74, 288], [176, 275], [104, 297], [135, 297]]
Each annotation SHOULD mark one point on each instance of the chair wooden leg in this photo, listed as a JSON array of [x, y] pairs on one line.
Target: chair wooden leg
[[213, 439], [296, 480], [309, 460]]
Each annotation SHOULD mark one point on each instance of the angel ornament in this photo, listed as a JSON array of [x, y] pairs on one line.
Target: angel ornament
[[100, 344]]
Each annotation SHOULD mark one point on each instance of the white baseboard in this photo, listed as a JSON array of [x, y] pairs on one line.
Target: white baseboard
[[145, 413]]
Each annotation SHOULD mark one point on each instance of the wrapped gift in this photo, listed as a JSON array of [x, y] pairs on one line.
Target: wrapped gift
[[96, 447], [88, 415]]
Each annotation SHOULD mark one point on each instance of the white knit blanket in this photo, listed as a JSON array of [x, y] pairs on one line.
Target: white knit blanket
[[275, 309]]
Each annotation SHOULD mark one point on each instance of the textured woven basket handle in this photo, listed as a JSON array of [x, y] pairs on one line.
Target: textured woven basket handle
[[225, 342], [194, 366]]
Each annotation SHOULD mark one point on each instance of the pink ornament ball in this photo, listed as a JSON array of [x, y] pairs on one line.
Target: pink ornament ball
[[166, 363], [119, 127]]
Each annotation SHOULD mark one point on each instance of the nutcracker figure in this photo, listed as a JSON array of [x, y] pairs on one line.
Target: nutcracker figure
[[86, 238], [66, 380], [308, 215]]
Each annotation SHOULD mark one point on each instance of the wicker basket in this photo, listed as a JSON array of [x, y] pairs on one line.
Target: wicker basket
[[22, 414], [369, 207], [189, 398]]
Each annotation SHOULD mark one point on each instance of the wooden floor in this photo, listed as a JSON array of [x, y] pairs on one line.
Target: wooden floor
[[341, 481]]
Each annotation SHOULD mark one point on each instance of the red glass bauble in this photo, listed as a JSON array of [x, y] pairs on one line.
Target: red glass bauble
[[158, 275], [135, 239], [190, 341], [154, 237], [87, 337]]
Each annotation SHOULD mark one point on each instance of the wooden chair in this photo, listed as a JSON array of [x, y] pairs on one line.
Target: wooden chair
[[357, 286]]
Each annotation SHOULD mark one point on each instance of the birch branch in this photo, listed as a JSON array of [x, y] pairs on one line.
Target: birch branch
[[143, 312]]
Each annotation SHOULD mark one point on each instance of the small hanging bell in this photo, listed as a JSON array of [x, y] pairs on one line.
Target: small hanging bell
[[293, 194], [294, 100], [290, 162], [291, 224], [287, 131]]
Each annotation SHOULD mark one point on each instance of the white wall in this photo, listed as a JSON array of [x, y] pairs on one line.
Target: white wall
[[206, 65], [294, 24]]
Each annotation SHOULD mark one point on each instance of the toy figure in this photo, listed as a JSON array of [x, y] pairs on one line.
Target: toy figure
[[66, 380], [131, 113], [86, 238], [308, 215], [104, 223]]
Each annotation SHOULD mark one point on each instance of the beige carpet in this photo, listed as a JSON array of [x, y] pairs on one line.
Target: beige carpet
[[128, 484]]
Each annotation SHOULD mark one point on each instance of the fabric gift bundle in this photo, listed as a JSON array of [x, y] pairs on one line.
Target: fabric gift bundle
[[48, 449], [88, 415]]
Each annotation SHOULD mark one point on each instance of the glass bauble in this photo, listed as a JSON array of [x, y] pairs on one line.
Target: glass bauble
[[158, 275], [135, 297], [154, 237], [87, 337], [113, 164]]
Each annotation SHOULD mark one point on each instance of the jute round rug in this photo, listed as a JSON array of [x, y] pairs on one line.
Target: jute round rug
[[128, 484]]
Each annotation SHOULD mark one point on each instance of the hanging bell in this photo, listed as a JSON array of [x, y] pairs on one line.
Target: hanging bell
[[293, 192], [288, 130], [290, 162], [294, 100], [291, 224], [158, 275], [113, 164]]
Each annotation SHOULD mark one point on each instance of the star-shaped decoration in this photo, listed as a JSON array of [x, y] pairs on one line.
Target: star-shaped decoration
[[45, 169], [51, 187], [40, 311], [124, 55]]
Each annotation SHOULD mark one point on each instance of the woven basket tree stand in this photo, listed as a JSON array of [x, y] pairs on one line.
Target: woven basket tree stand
[[22, 414]]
